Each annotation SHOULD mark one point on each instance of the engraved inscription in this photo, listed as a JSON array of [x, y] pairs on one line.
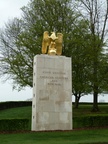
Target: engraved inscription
[[55, 78]]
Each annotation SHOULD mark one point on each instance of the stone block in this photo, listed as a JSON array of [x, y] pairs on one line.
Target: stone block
[[52, 90]]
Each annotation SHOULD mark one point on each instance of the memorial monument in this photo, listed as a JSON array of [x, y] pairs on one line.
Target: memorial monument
[[52, 87]]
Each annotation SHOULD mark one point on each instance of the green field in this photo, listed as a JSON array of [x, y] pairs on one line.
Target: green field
[[85, 109], [76, 136], [20, 112], [25, 112], [73, 137]]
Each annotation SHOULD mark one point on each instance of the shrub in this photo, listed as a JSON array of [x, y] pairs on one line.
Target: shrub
[[14, 124], [90, 121], [14, 104]]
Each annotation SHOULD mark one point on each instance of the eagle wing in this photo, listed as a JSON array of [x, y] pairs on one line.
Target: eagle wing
[[59, 43], [45, 42]]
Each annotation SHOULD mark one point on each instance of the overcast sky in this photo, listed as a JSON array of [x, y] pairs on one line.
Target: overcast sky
[[8, 10]]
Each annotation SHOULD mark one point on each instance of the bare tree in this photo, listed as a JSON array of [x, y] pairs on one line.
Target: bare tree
[[96, 11]]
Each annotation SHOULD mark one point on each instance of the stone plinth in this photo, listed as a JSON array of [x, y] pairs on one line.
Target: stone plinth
[[52, 90]]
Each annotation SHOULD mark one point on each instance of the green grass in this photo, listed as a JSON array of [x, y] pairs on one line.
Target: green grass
[[85, 109], [25, 112], [73, 137], [20, 112], [92, 136]]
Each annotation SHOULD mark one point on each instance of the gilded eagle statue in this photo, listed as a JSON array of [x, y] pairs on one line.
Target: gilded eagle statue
[[52, 44]]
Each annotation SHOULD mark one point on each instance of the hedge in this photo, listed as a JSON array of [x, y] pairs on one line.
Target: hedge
[[14, 124], [14, 104], [90, 121]]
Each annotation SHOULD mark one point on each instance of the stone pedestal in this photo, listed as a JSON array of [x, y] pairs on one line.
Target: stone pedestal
[[52, 90]]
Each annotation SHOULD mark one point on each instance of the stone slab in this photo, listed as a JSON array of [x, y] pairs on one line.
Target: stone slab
[[52, 90]]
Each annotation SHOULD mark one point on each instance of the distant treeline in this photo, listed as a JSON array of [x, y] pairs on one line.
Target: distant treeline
[[14, 104]]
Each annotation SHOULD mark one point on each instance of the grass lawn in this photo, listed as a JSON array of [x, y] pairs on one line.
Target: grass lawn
[[73, 137], [91, 136], [25, 112], [85, 109], [20, 112]]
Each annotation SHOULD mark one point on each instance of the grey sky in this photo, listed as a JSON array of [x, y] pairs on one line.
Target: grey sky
[[8, 10]]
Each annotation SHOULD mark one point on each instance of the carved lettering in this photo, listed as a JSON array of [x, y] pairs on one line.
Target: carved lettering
[[55, 78]]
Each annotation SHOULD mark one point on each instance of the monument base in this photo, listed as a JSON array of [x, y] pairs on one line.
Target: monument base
[[52, 90]]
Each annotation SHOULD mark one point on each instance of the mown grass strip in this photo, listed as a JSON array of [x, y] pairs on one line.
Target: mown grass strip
[[73, 137]]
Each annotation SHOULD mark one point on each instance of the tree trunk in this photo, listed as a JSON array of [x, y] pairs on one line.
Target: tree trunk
[[95, 80], [77, 98], [95, 100]]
